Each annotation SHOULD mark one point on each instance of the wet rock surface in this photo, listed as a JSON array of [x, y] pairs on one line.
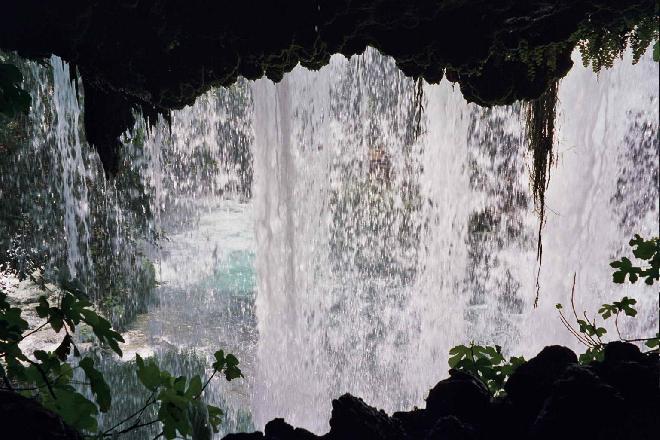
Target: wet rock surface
[[25, 295], [352, 418], [159, 55], [461, 395], [549, 397], [279, 429], [533, 381]]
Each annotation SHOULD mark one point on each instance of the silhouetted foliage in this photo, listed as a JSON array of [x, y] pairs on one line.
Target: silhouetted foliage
[[589, 332], [489, 364], [48, 377]]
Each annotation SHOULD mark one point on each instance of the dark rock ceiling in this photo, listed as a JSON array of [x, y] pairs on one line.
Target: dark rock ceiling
[[159, 55]]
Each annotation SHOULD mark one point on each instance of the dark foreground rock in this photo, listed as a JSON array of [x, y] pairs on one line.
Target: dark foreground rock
[[23, 418], [548, 397], [159, 55]]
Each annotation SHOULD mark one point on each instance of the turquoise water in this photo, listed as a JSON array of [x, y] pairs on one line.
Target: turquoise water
[[236, 277], [204, 302]]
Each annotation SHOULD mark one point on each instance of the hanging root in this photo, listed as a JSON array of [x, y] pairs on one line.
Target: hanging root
[[540, 134], [419, 108], [540, 128]]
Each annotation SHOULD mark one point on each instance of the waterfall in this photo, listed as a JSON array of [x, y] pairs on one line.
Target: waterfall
[[75, 172], [357, 291], [604, 190], [342, 229], [378, 250], [62, 216]]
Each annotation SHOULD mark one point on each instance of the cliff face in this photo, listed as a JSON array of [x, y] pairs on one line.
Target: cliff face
[[159, 55], [549, 397]]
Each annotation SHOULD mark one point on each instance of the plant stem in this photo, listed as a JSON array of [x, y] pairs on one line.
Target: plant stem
[[138, 413], [206, 384]]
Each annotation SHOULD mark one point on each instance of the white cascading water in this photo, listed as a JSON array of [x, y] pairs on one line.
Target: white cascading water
[[602, 192], [340, 249], [75, 171], [55, 120], [331, 322], [384, 225]]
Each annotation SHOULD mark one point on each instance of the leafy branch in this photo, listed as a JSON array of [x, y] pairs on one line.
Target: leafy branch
[[489, 364], [485, 362], [646, 250], [588, 332], [48, 376]]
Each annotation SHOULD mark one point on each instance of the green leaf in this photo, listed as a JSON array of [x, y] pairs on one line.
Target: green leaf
[[201, 428], [487, 362], [56, 321], [42, 308], [606, 311], [644, 249], [231, 369], [231, 360], [194, 387], [179, 384], [169, 429], [456, 354], [98, 384], [619, 277], [75, 409], [12, 325], [629, 311], [592, 354], [215, 417], [232, 373], [148, 373], [174, 412], [102, 329], [63, 350], [219, 363]]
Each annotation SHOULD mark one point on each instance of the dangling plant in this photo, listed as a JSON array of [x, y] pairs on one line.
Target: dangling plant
[[588, 331]]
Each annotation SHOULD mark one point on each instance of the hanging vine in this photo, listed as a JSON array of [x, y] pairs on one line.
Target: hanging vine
[[540, 129]]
